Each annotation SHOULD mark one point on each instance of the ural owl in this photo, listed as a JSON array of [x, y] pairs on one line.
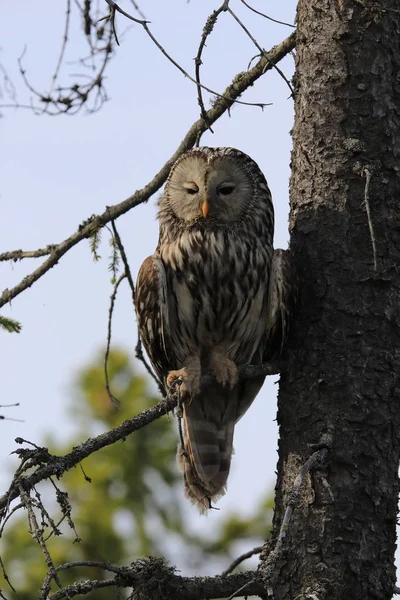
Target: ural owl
[[214, 296]]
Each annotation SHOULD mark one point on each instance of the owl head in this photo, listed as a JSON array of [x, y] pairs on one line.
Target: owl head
[[214, 187]]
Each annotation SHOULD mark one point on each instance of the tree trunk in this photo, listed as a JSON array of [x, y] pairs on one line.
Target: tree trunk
[[341, 388]]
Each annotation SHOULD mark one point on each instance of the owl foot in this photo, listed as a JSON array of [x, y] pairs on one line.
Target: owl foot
[[225, 370], [190, 377]]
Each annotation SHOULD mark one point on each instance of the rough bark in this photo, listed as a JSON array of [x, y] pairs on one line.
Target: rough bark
[[342, 385]]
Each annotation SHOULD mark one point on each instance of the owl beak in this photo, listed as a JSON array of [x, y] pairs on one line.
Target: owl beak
[[204, 208]]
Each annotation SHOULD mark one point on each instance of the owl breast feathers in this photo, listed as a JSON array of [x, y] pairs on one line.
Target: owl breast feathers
[[214, 296]]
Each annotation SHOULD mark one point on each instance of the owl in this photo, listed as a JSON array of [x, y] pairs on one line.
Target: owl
[[213, 297]]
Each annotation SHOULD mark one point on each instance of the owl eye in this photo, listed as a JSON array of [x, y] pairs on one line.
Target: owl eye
[[191, 188], [226, 188]]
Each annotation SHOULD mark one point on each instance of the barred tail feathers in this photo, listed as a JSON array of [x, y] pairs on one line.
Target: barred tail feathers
[[208, 426]]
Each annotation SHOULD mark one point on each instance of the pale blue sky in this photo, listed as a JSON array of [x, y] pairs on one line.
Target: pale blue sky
[[55, 172]]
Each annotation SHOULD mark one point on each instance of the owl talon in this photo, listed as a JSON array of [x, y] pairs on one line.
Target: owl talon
[[188, 378], [225, 370], [210, 506], [174, 382]]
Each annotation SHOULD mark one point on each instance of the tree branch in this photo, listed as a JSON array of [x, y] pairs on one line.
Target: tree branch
[[16, 255], [116, 8], [48, 465], [266, 16], [207, 30], [153, 579], [138, 349], [113, 296], [240, 559], [240, 83]]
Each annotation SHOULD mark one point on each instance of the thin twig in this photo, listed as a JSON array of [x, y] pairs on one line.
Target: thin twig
[[36, 532], [7, 579], [262, 51], [8, 515], [16, 255], [208, 27], [87, 18], [115, 8], [137, 8], [367, 173], [239, 591], [50, 465], [83, 588], [239, 84], [4, 418], [63, 48], [70, 99], [138, 349], [266, 16], [240, 559], [124, 259], [113, 296], [65, 504]]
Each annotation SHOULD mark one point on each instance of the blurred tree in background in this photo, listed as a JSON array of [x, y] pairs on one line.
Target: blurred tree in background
[[127, 498]]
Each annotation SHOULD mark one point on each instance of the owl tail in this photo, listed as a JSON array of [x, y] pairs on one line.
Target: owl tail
[[208, 425]]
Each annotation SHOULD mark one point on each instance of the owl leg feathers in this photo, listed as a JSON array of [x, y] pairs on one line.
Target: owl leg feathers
[[224, 369], [190, 375]]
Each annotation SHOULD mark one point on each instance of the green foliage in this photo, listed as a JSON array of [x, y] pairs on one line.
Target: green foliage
[[114, 259], [10, 325], [126, 499], [94, 242]]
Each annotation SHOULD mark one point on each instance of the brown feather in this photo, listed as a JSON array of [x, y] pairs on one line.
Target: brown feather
[[209, 422]]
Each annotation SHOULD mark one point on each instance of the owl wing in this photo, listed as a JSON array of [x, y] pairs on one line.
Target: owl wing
[[151, 302], [282, 301]]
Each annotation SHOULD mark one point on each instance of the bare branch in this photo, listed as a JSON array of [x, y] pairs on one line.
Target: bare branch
[[208, 27], [49, 465], [240, 83], [63, 48], [266, 16], [124, 258], [114, 7], [69, 99], [153, 579], [16, 255], [113, 296], [137, 8], [240, 559], [138, 350], [36, 531], [9, 583], [262, 51]]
